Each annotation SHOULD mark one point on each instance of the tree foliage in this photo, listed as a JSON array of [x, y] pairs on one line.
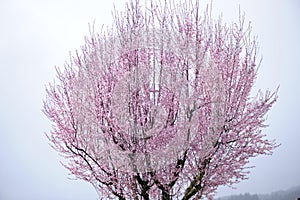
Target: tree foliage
[[159, 106], [291, 193]]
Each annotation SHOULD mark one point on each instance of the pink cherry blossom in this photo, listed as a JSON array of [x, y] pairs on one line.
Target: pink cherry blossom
[[160, 106]]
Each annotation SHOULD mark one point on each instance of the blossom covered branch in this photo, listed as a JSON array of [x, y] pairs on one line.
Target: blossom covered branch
[[160, 106]]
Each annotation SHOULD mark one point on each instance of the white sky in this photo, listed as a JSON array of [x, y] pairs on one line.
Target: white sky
[[37, 35]]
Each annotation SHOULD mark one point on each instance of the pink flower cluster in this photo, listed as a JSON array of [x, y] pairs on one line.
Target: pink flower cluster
[[159, 107]]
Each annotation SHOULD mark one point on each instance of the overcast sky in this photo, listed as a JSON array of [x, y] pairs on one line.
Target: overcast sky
[[36, 35]]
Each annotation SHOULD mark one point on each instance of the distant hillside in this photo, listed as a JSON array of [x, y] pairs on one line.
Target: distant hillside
[[290, 194]]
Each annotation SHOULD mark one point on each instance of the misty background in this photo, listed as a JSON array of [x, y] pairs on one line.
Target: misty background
[[37, 35]]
